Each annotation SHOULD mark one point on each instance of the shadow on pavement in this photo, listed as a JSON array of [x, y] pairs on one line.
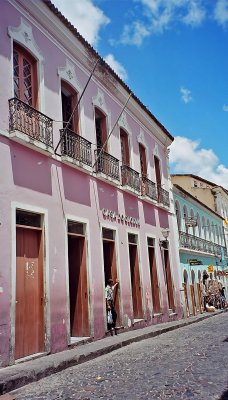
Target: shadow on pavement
[[224, 396]]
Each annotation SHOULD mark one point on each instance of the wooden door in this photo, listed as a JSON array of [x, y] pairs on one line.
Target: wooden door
[[192, 292], [110, 271], [157, 170], [154, 280], [142, 155], [199, 298], [168, 278], [135, 282], [78, 286], [29, 330], [186, 299], [69, 102], [125, 157], [101, 131]]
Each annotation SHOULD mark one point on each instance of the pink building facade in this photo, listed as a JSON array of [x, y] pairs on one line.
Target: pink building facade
[[84, 192]]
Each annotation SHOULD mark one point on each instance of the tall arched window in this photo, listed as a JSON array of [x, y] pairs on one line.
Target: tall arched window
[[101, 129], [212, 232], [216, 234], [142, 155], [204, 227], [178, 214], [185, 216], [124, 147], [185, 277], [25, 76], [192, 217], [208, 230], [193, 277], [69, 113], [220, 235], [198, 224]]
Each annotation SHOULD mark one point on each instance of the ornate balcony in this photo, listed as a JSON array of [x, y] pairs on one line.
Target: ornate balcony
[[107, 165], [130, 178], [75, 147], [163, 196], [192, 242], [29, 121], [148, 188]]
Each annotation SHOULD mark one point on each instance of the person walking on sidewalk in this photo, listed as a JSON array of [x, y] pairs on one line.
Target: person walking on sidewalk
[[110, 307]]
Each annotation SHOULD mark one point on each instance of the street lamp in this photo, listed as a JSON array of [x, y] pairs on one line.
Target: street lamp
[[165, 234]]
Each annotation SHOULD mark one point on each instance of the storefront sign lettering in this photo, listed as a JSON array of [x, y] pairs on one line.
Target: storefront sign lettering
[[120, 217], [194, 261]]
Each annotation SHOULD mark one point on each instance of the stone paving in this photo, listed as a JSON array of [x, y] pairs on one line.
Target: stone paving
[[187, 363]]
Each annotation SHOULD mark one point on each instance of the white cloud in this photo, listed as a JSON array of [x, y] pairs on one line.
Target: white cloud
[[187, 157], [186, 95], [225, 107], [134, 34], [116, 66], [195, 15], [85, 16], [160, 15], [163, 13], [221, 12]]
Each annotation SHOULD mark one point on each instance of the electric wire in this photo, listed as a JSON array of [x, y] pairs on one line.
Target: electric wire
[[76, 106], [106, 141]]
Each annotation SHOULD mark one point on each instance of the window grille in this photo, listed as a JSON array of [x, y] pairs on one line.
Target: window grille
[[28, 219], [76, 227], [108, 234], [132, 238]]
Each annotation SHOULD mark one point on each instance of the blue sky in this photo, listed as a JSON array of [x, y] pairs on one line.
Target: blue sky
[[173, 54]]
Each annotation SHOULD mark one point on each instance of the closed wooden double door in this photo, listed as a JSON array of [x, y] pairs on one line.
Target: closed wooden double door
[[29, 326]]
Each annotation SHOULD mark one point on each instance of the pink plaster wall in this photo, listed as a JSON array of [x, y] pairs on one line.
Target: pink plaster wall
[[36, 180]]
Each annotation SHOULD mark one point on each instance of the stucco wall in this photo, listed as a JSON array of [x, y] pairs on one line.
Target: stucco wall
[[42, 183]]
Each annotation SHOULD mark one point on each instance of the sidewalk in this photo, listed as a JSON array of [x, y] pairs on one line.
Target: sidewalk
[[21, 374]]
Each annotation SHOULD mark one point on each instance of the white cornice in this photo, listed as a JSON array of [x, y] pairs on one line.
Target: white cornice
[[67, 73]]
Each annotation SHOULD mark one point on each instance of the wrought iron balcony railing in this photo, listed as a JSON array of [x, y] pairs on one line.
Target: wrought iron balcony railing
[[107, 164], [192, 242], [31, 122], [163, 196], [76, 147], [148, 188], [130, 178]]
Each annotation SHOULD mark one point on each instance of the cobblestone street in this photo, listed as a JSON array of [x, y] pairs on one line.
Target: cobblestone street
[[188, 363]]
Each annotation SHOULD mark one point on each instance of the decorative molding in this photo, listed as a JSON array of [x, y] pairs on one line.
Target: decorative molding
[[23, 35], [99, 101], [123, 123], [68, 74], [141, 138], [156, 152]]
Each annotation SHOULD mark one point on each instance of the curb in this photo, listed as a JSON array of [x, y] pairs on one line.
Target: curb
[[19, 375]]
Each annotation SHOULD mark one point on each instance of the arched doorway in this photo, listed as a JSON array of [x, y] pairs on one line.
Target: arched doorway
[[185, 287], [192, 291]]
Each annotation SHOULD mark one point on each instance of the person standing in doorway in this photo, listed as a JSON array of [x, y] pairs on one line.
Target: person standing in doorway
[[110, 306]]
